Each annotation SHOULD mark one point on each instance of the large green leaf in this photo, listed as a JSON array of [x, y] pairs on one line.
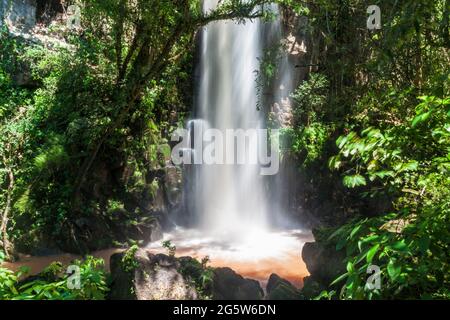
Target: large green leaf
[[399, 246], [394, 269], [409, 166], [421, 118], [372, 252], [354, 181], [355, 231]]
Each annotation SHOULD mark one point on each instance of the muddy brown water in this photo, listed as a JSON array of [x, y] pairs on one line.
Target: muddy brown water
[[289, 266], [293, 270]]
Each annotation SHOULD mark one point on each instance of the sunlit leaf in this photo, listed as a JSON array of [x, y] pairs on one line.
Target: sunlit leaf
[[372, 252], [354, 181]]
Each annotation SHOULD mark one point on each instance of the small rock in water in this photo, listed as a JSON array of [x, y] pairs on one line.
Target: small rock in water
[[281, 289], [228, 285]]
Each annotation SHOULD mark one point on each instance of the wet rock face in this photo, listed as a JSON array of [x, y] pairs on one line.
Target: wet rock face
[[324, 264], [22, 15], [294, 46], [173, 184], [18, 14], [154, 277], [282, 113], [228, 285]]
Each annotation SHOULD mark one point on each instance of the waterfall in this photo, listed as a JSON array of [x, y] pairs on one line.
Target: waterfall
[[230, 197], [283, 85], [230, 210]]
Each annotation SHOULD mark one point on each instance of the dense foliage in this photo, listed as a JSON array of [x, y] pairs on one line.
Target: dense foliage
[[85, 124], [377, 110], [82, 141], [54, 284]]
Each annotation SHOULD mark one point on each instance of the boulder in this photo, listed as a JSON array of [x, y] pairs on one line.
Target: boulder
[[324, 264], [145, 230], [141, 275], [18, 14], [228, 285], [281, 289]]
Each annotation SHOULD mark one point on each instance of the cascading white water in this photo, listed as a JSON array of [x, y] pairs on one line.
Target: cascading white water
[[226, 206], [282, 88], [228, 197]]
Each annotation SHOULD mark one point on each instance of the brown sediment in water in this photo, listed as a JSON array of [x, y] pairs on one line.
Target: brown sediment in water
[[291, 267], [288, 265], [38, 263]]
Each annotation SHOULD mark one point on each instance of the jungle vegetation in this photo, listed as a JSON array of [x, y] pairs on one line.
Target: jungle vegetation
[[371, 124]]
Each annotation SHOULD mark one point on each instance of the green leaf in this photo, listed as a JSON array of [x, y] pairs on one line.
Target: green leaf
[[372, 252], [334, 163], [394, 269], [339, 279], [337, 232], [383, 174], [354, 181], [421, 118], [399, 246], [23, 270], [355, 231], [409, 166], [350, 267], [341, 244], [424, 244], [370, 239]]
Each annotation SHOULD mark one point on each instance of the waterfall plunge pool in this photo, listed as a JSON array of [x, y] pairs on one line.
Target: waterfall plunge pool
[[255, 255]]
